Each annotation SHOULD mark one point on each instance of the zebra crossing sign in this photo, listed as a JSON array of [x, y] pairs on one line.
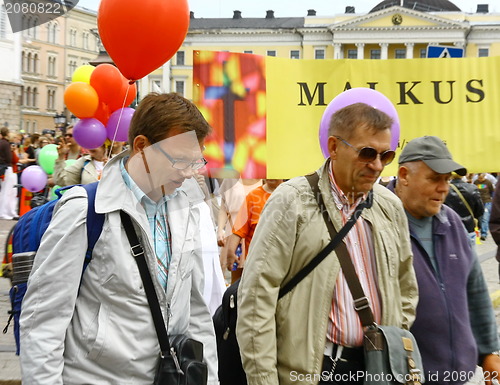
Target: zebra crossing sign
[[443, 51]]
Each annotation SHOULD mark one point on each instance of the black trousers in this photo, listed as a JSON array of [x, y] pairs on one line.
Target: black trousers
[[345, 372]]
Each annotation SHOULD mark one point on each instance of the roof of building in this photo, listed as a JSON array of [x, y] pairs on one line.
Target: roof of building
[[245, 23], [419, 5]]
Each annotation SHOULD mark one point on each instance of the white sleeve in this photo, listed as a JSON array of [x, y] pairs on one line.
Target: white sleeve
[[52, 290]]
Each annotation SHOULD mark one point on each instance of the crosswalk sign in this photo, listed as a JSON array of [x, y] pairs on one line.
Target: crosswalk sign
[[443, 51]]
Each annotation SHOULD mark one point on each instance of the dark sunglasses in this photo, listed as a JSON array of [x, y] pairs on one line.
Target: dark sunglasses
[[369, 154], [68, 135]]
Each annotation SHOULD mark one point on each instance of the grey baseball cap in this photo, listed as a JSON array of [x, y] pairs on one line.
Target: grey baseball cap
[[434, 153]]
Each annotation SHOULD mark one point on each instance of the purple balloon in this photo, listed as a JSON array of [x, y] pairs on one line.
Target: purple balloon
[[119, 125], [358, 95], [33, 178], [89, 133]]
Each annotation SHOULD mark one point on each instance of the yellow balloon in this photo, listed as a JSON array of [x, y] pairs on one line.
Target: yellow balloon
[[82, 73]]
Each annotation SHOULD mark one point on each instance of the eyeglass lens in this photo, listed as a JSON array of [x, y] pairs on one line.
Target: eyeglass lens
[[369, 154]]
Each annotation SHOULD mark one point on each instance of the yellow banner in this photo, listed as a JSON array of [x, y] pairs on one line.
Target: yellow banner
[[455, 99]]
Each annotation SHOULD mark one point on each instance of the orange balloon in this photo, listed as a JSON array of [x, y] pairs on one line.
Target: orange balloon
[[107, 81], [127, 94], [141, 36], [81, 99]]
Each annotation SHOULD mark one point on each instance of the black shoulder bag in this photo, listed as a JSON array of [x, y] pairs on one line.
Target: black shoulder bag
[[391, 353], [181, 357]]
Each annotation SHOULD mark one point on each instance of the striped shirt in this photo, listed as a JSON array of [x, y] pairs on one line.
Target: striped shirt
[[156, 213], [344, 326]]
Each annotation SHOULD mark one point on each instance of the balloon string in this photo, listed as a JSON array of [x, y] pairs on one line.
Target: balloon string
[[118, 123]]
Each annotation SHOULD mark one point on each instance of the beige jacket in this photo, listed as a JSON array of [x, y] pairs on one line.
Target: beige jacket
[[282, 342]]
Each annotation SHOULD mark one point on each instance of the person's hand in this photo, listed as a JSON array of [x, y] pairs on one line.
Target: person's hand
[[63, 149], [232, 258], [220, 238], [491, 369]]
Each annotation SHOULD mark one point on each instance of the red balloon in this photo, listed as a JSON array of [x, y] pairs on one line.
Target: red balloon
[[102, 114], [124, 97], [141, 36], [107, 81]]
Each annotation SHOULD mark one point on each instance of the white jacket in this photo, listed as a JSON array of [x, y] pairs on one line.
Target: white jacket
[[105, 333]]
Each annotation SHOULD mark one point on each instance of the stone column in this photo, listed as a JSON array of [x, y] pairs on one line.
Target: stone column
[[361, 50], [383, 53], [409, 50]]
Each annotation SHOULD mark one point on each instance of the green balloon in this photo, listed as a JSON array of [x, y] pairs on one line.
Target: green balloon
[[69, 162], [47, 158], [53, 192]]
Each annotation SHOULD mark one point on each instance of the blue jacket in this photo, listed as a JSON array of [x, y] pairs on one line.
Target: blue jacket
[[455, 323]]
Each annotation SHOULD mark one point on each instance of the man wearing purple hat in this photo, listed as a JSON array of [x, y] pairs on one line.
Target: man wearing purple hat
[[455, 326]]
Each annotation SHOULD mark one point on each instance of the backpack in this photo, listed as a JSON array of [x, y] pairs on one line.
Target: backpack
[[26, 237], [230, 367]]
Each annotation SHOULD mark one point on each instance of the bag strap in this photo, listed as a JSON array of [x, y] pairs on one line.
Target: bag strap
[[361, 303], [336, 239], [460, 195], [154, 305], [95, 222]]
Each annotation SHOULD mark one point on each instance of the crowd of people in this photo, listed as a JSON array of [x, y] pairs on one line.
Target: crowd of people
[[413, 249]]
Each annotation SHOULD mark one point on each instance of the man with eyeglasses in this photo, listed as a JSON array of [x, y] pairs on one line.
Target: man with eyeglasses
[[313, 334], [101, 331], [455, 327]]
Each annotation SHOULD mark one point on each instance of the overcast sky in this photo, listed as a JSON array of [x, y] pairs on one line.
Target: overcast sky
[[289, 8]]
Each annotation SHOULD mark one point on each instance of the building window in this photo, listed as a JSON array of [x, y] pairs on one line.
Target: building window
[[27, 126], [34, 97], [3, 22], [423, 53], [375, 54], [156, 86], [52, 32], [483, 52], [23, 61], [85, 40], [319, 54], [72, 37], [34, 126], [52, 66], [400, 54], [72, 67], [294, 54], [352, 53], [271, 52], [179, 87], [180, 58], [27, 96], [34, 65], [51, 99], [247, 51]]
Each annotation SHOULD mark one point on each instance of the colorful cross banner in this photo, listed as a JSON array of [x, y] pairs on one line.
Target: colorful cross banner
[[266, 111]]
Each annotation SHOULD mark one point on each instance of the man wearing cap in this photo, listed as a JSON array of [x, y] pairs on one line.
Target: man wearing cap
[[455, 325]]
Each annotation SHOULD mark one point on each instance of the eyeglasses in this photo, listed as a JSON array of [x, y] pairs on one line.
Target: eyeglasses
[[369, 154], [68, 135], [181, 164]]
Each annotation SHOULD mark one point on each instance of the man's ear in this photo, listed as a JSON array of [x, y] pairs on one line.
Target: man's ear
[[332, 146], [140, 142], [403, 173]]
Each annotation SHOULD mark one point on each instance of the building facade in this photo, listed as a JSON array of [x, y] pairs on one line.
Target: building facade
[[393, 29], [10, 74], [50, 54]]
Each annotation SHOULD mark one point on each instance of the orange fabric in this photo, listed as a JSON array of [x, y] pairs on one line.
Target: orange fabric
[[255, 202]]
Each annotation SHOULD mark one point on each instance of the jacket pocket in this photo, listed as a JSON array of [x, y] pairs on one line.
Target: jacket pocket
[[102, 323]]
